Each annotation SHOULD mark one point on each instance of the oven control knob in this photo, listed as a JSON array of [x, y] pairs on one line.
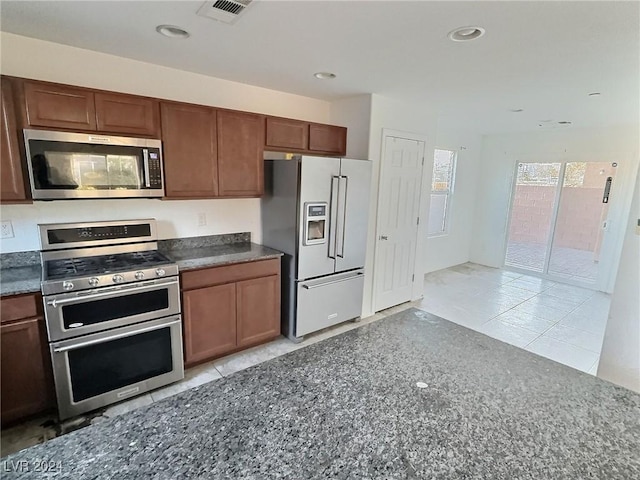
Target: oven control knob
[[94, 282], [117, 279], [160, 272], [139, 275], [67, 285]]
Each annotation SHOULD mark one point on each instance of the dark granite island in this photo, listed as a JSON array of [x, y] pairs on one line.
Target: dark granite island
[[350, 408]]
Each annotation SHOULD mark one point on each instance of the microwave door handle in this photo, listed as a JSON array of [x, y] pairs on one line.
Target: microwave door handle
[[145, 156], [333, 215], [342, 214]]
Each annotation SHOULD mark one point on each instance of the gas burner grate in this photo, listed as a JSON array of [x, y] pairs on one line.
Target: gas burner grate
[[71, 267]]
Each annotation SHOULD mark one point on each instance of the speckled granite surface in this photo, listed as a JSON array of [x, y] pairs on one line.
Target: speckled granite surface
[[349, 408], [215, 255], [21, 272], [20, 280]]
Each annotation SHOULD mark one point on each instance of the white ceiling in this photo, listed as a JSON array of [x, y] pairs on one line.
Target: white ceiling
[[543, 57]]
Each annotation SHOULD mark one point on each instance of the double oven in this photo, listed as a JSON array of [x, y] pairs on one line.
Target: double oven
[[112, 310]]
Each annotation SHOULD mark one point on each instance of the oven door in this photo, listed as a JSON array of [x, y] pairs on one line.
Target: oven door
[[103, 368], [72, 314]]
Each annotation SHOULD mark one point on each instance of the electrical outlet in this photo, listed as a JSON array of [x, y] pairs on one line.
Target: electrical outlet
[[6, 229], [202, 219]]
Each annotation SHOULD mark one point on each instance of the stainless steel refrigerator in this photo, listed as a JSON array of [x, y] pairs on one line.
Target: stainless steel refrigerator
[[315, 210]]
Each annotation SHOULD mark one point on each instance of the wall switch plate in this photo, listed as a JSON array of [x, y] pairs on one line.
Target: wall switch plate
[[6, 229], [202, 219]]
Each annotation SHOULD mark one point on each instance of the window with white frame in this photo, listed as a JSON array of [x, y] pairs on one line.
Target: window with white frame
[[444, 165]]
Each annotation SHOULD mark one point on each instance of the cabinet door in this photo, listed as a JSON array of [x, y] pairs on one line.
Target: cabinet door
[[190, 151], [258, 309], [209, 316], [59, 106], [283, 133], [25, 390], [240, 154], [12, 187], [328, 139], [127, 114]]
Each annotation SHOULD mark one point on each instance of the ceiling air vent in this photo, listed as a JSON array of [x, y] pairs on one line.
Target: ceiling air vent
[[226, 11]]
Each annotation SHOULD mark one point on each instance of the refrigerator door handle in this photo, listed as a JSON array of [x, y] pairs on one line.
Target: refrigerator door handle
[[333, 220], [318, 285], [342, 213]]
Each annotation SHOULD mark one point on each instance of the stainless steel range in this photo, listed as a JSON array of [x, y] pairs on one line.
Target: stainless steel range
[[112, 310]]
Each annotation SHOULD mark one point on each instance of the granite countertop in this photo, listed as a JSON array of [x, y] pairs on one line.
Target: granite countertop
[[411, 396], [15, 280], [21, 271], [215, 255]]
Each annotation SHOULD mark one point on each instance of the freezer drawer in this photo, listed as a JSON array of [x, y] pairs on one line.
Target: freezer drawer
[[329, 300]]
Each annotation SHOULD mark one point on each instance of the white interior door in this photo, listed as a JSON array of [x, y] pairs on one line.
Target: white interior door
[[397, 228]]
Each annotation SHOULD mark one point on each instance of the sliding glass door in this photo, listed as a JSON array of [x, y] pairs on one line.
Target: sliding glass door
[[558, 219]]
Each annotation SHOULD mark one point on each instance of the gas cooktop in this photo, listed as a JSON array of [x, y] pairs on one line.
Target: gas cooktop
[[102, 264]]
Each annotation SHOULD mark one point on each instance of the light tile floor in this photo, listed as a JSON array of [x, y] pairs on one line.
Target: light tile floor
[[558, 321]]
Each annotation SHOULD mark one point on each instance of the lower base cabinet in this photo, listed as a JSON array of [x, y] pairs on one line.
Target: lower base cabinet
[[26, 387], [228, 308]]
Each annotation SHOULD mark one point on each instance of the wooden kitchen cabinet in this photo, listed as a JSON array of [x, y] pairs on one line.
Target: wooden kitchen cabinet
[[228, 308], [12, 176], [258, 309], [59, 106], [327, 139], [127, 114], [240, 154], [282, 133], [209, 322], [190, 150], [52, 105], [26, 385]]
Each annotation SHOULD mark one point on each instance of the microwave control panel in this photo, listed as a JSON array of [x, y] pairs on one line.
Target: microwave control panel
[[155, 168]]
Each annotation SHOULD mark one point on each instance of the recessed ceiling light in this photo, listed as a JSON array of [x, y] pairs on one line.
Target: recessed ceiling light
[[324, 75], [594, 94], [172, 31], [464, 34]]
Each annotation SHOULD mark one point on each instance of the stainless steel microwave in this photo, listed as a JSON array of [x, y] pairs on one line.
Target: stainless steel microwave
[[83, 165]]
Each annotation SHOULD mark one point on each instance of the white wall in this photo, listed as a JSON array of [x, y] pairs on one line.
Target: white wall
[[454, 247], [387, 113], [355, 114], [498, 162], [620, 356], [30, 58]]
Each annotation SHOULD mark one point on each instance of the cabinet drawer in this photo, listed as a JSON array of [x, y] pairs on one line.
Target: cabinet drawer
[[18, 307], [229, 273]]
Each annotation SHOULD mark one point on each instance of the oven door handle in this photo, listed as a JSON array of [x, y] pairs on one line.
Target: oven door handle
[[114, 337], [56, 303]]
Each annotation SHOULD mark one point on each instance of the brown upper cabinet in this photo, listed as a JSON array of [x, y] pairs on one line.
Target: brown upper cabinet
[[189, 143], [52, 105], [327, 139], [240, 154], [12, 187], [305, 137], [211, 153], [127, 114]]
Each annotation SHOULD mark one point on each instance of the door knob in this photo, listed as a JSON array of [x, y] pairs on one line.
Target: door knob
[[384, 237]]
